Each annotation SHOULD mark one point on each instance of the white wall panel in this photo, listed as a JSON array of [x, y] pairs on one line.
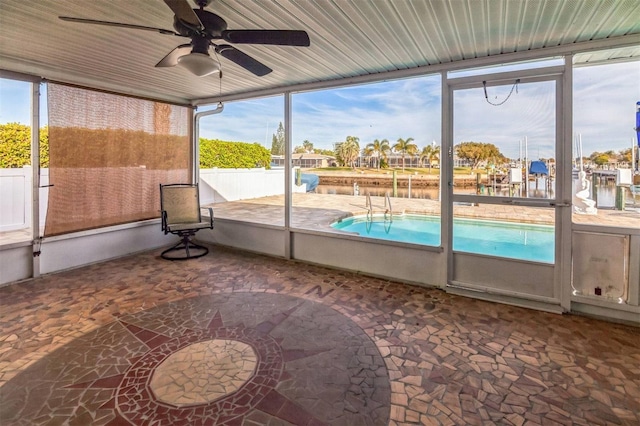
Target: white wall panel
[[15, 263], [73, 250], [407, 264], [505, 276], [246, 236]]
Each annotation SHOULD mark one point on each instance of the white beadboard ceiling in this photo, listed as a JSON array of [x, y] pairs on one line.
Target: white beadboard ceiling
[[349, 38]]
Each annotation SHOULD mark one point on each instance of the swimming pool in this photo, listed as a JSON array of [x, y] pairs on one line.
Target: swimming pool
[[506, 239]]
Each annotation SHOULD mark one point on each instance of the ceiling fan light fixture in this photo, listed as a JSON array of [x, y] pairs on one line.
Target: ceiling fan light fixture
[[199, 64]]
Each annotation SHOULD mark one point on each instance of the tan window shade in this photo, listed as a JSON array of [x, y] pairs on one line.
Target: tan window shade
[[108, 154]]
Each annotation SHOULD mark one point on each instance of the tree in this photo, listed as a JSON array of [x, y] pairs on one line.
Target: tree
[[625, 155], [430, 153], [308, 146], [339, 155], [299, 150], [379, 150], [277, 142], [405, 147], [477, 152], [600, 158], [347, 152]]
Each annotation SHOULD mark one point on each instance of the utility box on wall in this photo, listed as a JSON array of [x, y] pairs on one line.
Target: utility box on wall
[[601, 266], [624, 177], [515, 175]]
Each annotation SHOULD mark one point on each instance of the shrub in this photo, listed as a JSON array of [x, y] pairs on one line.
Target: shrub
[[233, 155], [15, 150], [15, 145]]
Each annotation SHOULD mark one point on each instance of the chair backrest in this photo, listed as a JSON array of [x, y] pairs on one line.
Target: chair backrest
[[180, 202]]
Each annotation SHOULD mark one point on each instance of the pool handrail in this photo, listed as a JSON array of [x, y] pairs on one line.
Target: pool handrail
[[369, 206], [387, 207]]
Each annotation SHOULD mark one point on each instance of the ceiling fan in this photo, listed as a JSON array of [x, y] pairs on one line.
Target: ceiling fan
[[203, 27]]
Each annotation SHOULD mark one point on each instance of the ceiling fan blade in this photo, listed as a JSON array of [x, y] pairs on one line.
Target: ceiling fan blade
[[277, 37], [242, 59], [117, 24], [183, 12], [171, 60]]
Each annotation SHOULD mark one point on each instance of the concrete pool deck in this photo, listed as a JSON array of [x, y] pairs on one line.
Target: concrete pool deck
[[318, 211]]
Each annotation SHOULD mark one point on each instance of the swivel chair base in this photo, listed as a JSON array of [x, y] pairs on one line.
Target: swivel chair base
[[185, 249]]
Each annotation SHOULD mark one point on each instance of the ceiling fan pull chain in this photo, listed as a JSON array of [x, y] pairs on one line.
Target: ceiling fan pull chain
[[219, 76], [515, 86]]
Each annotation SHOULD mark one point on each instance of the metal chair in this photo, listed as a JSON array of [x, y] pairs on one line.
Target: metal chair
[[181, 215]]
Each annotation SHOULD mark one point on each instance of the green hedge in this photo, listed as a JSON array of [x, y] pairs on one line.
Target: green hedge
[[15, 146], [15, 150], [233, 155]]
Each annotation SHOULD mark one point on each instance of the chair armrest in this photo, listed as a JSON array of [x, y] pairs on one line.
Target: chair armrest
[[210, 211], [163, 215]]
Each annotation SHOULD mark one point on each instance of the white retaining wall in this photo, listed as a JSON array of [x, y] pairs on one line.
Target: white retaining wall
[[216, 185], [219, 185]]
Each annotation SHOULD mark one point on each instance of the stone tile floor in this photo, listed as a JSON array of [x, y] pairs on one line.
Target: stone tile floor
[[238, 338]]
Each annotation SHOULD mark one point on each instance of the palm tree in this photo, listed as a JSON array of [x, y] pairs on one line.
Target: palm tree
[[308, 146], [430, 153], [405, 147], [348, 151], [377, 149]]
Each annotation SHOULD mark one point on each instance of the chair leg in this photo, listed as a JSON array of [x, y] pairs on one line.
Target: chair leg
[[186, 246]]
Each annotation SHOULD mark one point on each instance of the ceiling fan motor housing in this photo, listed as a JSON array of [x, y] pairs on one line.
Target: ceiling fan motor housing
[[203, 3], [213, 25], [200, 45]]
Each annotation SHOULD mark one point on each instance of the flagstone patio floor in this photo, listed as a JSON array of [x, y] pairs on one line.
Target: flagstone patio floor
[[235, 338]]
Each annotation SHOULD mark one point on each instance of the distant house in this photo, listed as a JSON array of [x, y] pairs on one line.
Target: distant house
[[305, 160], [615, 163]]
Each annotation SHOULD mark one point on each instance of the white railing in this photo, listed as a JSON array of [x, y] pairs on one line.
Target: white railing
[[216, 185], [16, 199]]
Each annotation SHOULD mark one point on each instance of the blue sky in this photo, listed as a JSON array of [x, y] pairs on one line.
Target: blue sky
[[526, 119], [15, 104], [391, 110], [604, 113]]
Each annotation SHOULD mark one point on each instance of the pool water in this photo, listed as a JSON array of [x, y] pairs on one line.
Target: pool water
[[505, 239]]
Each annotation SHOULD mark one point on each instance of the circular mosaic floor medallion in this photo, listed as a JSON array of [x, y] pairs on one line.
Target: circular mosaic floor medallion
[[210, 360], [203, 372], [135, 399]]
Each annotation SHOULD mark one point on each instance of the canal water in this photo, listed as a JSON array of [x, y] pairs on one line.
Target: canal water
[[606, 193]]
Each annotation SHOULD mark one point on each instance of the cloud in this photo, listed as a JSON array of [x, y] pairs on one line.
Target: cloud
[[604, 105], [245, 121], [388, 110], [603, 113], [604, 108], [381, 112], [528, 113]]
